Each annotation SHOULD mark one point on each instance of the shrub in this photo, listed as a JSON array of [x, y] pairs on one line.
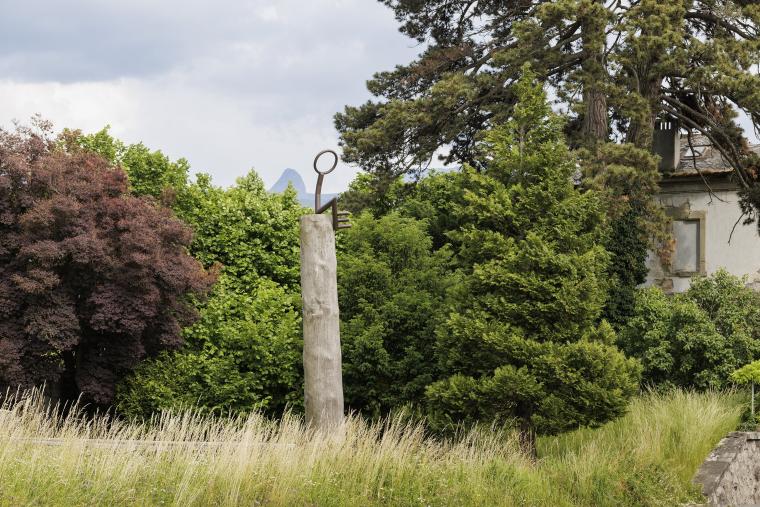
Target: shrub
[[392, 288], [245, 351], [695, 339], [243, 354]]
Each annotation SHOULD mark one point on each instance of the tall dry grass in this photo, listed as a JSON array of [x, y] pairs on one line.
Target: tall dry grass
[[645, 458]]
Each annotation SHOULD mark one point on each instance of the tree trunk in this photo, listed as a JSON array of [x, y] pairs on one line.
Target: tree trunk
[[595, 126], [641, 133]]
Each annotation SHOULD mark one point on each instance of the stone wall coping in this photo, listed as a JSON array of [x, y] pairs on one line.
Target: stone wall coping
[[711, 472]]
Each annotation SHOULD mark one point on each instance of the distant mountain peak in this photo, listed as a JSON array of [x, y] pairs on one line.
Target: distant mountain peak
[[293, 177], [290, 176]]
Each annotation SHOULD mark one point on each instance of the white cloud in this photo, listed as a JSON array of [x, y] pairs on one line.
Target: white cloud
[[81, 105], [268, 13], [216, 134], [229, 85]]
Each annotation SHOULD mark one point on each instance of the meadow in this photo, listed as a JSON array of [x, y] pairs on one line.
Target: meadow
[[646, 457]]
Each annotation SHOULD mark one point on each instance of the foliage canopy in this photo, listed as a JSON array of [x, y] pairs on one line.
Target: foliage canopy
[[698, 338], [392, 287], [92, 279], [615, 68], [749, 373]]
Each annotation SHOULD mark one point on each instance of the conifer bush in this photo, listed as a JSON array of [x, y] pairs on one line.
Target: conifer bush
[[523, 339]]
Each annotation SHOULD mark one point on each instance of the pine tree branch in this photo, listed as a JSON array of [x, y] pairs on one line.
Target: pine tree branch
[[463, 18], [709, 17], [696, 168], [732, 158]]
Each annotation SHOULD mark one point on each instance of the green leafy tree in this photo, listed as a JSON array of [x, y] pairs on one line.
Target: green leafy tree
[[523, 339], [430, 199], [695, 339], [252, 233], [748, 374], [244, 353], [392, 287], [151, 173], [617, 64]]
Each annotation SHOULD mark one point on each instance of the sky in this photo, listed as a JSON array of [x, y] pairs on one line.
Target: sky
[[228, 84]]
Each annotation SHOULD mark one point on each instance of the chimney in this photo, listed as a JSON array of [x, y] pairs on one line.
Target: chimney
[[667, 143]]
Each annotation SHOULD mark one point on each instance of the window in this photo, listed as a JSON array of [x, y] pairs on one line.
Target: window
[[686, 258], [688, 228], [695, 152]]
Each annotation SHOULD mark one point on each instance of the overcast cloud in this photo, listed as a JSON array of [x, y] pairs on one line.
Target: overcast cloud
[[230, 85]]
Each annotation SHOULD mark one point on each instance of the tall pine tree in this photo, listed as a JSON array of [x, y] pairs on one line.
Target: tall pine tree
[[615, 68]]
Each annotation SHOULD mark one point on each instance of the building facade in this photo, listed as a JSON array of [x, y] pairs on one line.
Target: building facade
[[700, 195]]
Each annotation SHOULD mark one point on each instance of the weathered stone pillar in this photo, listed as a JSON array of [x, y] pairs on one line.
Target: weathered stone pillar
[[323, 380]]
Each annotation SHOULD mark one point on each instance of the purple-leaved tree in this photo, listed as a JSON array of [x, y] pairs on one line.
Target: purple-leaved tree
[[92, 279]]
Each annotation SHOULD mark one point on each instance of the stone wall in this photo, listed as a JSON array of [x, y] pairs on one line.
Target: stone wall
[[730, 476]]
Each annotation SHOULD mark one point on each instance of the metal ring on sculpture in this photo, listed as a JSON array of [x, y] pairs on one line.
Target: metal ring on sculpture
[[316, 160]]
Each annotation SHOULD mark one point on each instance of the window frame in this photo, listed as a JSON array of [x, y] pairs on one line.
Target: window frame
[[684, 215]]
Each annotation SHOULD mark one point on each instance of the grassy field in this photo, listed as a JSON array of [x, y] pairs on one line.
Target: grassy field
[[646, 458]]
